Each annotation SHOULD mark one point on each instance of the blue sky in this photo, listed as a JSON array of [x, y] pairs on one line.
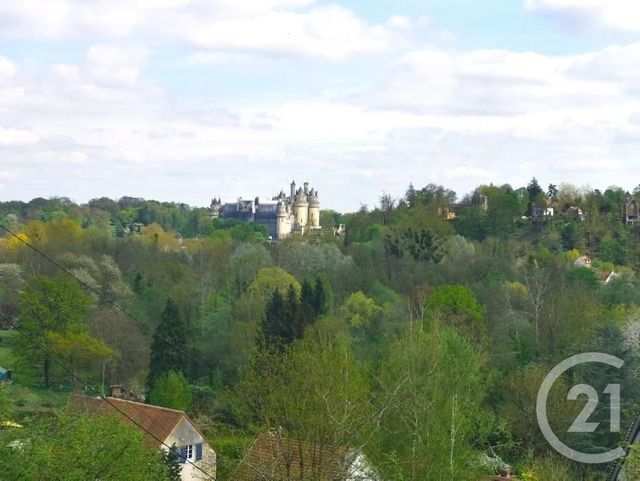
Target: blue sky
[[189, 99]]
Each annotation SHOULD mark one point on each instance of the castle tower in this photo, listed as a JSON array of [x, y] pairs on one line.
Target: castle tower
[[300, 210], [314, 209], [215, 208], [283, 220]]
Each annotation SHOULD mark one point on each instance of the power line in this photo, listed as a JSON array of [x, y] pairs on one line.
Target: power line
[[87, 384], [97, 292]]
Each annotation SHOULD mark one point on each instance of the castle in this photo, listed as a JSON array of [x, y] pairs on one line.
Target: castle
[[297, 213]]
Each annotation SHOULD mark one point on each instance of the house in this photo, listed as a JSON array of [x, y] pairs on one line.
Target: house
[[163, 428], [575, 212], [605, 277], [582, 261], [273, 457], [630, 212]]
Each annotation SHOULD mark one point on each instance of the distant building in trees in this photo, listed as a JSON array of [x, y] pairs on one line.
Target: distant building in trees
[[274, 457], [582, 261], [163, 427], [299, 212], [630, 214]]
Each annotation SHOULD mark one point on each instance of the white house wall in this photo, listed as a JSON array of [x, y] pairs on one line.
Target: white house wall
[[184, 434]]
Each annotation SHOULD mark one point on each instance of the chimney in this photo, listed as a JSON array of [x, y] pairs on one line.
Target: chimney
[[306, 188], [117, 391]]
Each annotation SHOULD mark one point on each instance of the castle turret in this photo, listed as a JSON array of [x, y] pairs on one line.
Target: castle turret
[[283, 220], [215, 208], [314, 209], [300, 209]]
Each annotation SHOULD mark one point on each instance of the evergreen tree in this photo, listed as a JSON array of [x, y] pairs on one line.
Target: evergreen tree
[[271, 327], [293, 318], [284, 318], [308, 304], [535, 194], [320, 304], [169, 344], [171, 459], [411, 195]]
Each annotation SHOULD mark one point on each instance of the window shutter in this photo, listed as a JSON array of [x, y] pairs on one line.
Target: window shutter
[[198, 451], [183, 454]]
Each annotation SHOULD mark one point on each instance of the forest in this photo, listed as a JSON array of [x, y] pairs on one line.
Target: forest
[[420, 336]]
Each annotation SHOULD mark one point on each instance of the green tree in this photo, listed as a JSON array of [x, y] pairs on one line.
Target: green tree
[[312, 391], [78, 349], [583, 277], [172, 391], [457, 306], [270, 278], [360, 310], [308, 303], [169, 344], [50, 308], [171, 459], [272, 329], [321, 297], [78, 447], [435, 423], [285, 319]]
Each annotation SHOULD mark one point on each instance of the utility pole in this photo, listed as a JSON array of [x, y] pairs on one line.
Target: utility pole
[[104, 363]]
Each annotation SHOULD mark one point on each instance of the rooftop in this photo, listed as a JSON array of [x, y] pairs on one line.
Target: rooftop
[[156, 420]]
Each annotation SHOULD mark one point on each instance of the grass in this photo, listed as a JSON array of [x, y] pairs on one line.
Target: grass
[[27, 397], [7, 359]]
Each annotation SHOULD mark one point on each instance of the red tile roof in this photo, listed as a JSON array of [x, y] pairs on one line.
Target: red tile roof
[[275, 457], [156, 420]]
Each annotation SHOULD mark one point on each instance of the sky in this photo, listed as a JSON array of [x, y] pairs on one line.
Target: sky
[[184, 100]]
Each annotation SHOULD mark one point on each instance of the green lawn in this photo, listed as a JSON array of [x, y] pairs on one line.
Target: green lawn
[[27, 397], [7, 360]]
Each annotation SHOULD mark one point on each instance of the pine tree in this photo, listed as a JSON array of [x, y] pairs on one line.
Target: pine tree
[[271, 327], [169, 344], [171, 459], [411, 195], [321, 304], [308, 304], [293, 318]]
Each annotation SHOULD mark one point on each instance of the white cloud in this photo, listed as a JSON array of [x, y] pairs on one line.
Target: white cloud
[[399, 21], [622, 15], [270, 27], [7, 68], [502, 83], [331, 32], [459, 118], [9, 136], [115, 65]]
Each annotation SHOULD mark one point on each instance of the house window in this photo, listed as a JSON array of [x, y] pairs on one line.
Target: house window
[[186, 453], [191, 452]]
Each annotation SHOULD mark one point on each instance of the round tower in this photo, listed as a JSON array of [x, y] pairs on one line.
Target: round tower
[[314, 209], [300, 209], [283, 221], [215, 208]]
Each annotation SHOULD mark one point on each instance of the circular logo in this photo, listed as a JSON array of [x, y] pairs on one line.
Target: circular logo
[[541, 408]]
